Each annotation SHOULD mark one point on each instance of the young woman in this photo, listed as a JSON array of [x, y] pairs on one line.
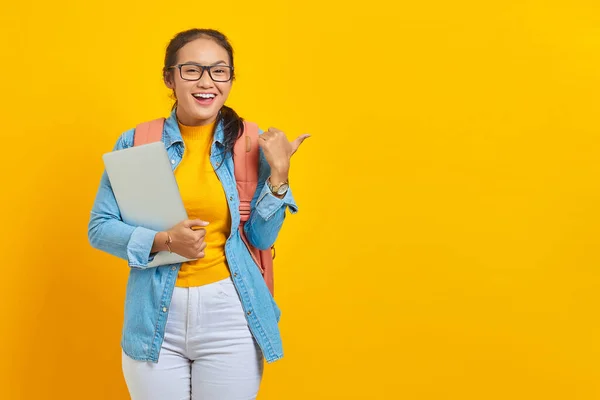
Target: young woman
[[200, 329]]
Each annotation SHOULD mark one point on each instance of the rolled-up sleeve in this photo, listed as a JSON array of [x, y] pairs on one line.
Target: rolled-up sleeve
[[268, 204]]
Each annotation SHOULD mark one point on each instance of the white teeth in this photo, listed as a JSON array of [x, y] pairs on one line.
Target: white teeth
[[204, 95]]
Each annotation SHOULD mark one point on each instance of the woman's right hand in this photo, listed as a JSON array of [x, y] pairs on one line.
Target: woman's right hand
[[185, 240]]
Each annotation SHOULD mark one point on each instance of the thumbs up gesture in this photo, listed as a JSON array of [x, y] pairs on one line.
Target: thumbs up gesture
[[278, 151]]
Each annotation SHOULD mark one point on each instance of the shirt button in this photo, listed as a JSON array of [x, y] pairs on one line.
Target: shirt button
[[235, 274], [249, 312], [164, 309], [173, 162], [218, 164], [173, 268], [230, 198]]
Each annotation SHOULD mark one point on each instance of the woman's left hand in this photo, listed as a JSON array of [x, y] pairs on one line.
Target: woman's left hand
[[278, 151]]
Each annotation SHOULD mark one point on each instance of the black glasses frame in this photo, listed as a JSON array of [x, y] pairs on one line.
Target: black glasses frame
[[204, 68]]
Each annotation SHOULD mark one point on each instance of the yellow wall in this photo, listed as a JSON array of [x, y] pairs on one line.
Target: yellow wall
[[446, 246]]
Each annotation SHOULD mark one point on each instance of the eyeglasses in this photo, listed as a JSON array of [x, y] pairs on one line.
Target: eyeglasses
[[193, 72]]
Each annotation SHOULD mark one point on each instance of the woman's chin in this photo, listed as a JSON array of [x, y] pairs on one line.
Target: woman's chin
[[197, 117]]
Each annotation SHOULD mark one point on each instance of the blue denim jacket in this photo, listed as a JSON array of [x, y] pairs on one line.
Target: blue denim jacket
[[149, 289]]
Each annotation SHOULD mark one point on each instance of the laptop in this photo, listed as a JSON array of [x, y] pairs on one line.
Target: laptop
[[146, 191]]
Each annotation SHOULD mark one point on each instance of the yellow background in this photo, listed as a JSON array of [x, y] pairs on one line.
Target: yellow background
[[447, 240]]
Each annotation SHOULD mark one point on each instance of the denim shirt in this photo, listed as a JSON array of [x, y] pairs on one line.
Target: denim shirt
[[149, 289]]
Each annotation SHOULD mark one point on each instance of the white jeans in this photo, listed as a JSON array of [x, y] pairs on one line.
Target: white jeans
[[208, 352]]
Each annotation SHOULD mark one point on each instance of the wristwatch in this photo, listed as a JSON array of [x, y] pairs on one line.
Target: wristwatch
[[278, 190]]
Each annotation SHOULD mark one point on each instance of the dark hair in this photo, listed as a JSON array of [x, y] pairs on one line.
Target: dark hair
[[232, 122]]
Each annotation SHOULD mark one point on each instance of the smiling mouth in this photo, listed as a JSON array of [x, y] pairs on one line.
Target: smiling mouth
[[204, 96], [204, 99]]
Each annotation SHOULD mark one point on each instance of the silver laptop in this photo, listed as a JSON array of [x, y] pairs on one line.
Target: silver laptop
[[146, 191]]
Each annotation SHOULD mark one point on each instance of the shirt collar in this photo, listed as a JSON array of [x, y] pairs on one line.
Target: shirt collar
[[173, 134]]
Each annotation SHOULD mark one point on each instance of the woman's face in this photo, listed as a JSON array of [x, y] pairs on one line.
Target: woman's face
[[199, 101]]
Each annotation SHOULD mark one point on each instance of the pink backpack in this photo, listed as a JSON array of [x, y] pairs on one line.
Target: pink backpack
[[245, 160]]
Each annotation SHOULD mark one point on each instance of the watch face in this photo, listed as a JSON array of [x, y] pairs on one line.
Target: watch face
[[282, 189]]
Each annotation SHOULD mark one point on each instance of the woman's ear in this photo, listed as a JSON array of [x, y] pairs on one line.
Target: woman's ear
[[168, 78]]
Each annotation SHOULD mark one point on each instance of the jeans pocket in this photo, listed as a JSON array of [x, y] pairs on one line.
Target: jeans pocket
[[226, 288]]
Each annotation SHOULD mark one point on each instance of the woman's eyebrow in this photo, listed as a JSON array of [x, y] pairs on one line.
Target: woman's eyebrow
[[195, 62]]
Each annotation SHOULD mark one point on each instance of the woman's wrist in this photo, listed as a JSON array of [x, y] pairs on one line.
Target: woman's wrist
[[280, 175], [160, 240]]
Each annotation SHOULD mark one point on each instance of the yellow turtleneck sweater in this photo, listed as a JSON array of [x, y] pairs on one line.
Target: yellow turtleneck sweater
[[204, 198]]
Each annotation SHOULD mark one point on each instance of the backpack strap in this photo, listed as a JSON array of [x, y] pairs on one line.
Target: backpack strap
[[245, 161], [149, 132]]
